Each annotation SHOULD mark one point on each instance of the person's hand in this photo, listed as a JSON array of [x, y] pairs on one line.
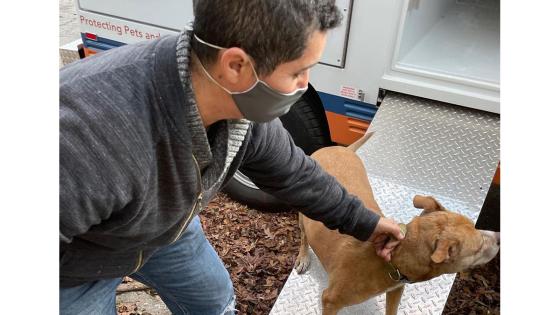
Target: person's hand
[[386, 237]]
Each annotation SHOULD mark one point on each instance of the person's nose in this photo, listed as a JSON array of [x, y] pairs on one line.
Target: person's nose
[[304, 81]]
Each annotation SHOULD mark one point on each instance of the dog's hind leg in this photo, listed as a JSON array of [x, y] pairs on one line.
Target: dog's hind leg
[[302, 261], [393, 298], [329, 302]]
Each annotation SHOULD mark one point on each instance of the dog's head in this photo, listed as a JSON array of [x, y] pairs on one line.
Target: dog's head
[[439, 241]]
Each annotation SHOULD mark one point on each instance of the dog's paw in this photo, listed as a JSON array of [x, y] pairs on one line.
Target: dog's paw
[[302, 263]]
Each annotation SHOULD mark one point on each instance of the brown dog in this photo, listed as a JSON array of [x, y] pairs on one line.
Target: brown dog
[[436, 242]]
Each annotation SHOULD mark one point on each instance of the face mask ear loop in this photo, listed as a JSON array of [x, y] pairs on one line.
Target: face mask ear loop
[[285, 94], [211, 78], [256, 77], [259, 80], [207, 44]]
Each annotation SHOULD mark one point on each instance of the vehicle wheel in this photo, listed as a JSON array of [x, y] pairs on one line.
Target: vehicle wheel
[[307, 124]]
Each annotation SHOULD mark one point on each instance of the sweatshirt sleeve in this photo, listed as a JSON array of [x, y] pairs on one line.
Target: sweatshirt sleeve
[[99, 169], [276, 165]]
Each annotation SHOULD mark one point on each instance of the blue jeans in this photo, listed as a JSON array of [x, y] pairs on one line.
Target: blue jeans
[[188, 275]]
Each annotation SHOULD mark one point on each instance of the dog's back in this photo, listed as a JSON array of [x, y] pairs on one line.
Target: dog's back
[[347, 167]]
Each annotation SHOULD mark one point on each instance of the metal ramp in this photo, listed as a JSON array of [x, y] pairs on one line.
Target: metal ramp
[[420, 146]]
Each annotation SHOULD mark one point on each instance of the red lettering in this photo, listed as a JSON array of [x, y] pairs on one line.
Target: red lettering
[[132, 32]]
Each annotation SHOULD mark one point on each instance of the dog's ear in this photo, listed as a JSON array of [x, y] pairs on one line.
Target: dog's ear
[[444, 250], [428, 203]]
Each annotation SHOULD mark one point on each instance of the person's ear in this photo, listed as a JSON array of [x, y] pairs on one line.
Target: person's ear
[[234, 64]]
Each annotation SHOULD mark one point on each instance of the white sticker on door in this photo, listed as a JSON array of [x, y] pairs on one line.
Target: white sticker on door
[[349, 92]]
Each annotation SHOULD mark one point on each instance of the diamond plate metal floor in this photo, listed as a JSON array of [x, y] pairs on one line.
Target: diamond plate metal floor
[[424, 147]]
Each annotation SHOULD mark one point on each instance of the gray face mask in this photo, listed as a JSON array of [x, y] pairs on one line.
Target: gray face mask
[[259, 103]]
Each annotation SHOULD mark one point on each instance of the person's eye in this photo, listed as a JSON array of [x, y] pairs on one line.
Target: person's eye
[[299, 74]]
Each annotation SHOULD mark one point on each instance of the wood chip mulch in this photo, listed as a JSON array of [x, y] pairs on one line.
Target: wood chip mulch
[[477, 291], [258, 249]]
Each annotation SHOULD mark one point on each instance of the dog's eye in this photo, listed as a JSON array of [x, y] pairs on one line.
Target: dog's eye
[[452, 251]]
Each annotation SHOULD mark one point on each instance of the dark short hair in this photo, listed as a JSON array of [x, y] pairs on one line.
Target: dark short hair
[[270, 31]]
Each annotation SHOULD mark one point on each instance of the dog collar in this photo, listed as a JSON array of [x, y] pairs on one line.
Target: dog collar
[[396, 275], [394, 272]]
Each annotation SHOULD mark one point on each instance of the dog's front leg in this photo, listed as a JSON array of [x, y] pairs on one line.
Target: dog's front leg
[[393, 298], [302, 261]]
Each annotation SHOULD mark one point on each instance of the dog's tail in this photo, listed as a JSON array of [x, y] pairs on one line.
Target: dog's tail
[[356, 145]]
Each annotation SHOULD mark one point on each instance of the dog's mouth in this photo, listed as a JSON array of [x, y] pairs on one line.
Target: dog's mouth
[[489, 249]]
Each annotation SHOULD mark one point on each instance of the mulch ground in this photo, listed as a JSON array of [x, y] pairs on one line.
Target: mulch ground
[[259, 250], [476, 292]]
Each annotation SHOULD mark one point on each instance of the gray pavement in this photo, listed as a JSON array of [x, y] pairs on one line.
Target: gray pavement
[[68, 22]]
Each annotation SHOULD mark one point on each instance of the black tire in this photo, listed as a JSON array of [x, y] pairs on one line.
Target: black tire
[[307, 124], [241, 189], [308, 113]]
